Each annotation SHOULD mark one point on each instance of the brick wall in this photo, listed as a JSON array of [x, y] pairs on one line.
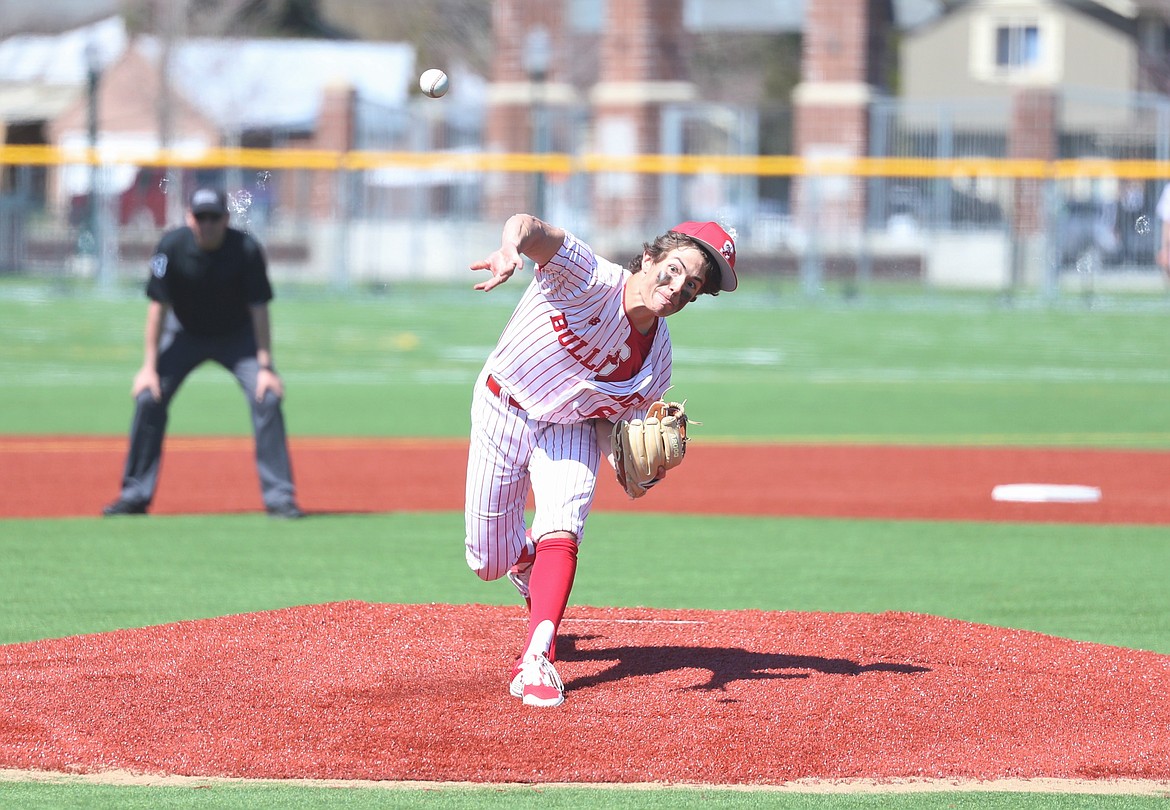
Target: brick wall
[[844, 47], [835, 41], [128, 103], [643, 42], [514, 96], [1032, 137], [335, 132], [642, 68]]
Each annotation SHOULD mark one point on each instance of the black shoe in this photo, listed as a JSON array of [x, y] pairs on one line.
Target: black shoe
[[120, 507], [287, 511]]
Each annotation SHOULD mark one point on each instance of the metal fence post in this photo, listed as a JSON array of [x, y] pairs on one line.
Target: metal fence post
[[810, 262]]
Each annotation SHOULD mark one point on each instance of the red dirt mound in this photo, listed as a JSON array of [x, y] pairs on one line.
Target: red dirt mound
[[417, 692]]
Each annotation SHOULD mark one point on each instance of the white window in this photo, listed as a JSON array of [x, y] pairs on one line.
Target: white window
[[1016, 48]]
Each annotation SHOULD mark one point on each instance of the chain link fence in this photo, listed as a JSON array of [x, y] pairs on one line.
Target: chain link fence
[[414, 199]]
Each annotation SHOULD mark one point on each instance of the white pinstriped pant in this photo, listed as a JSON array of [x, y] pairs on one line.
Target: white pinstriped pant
[[509, 453]]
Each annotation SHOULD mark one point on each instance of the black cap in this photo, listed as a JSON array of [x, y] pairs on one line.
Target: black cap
[[208, 200]]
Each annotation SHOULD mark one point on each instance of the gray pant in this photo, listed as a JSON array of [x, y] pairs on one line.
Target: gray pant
[[179, 354]]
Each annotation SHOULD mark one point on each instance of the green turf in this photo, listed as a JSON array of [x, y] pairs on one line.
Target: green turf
[[754, 364], [1091, 583], [520, 798]]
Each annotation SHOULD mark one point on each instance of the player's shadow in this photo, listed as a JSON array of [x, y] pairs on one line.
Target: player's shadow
[[726, 664]]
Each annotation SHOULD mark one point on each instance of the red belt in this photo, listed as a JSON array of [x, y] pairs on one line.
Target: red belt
[[494, 386]]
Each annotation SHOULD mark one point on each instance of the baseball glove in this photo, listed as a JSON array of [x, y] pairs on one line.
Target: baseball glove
[[645, 449]]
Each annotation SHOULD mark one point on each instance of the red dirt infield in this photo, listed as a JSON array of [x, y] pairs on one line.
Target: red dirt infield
[[75, 476], [358, 691]]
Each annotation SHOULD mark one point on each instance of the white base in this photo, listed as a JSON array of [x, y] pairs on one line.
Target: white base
[[1046, 493]]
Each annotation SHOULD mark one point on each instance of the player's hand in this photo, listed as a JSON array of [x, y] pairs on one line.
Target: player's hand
[[268, 380], [146, 380], [502, 263]]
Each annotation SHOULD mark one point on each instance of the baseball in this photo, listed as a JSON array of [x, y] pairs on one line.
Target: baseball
[[433, 83]]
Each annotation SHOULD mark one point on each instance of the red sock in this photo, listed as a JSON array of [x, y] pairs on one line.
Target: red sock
[[551, 583]]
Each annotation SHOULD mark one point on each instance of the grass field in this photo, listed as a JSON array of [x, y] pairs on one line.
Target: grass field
[[756, 365], [760, 364]]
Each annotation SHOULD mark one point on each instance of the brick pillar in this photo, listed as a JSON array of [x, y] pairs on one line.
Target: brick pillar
[[642, 69], [843, 54], [515, 97], [1033, 136], [335, 131]]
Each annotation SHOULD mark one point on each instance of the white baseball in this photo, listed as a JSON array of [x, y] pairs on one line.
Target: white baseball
[[433, 82]]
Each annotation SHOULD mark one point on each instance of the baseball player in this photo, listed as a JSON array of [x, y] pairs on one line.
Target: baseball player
[[585, 346], [209, 294]]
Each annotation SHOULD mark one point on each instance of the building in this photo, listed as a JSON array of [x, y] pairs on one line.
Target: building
[[209, 93], [988, 49]]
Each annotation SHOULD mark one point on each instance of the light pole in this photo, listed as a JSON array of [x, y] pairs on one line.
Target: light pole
[[93, 212], [537, 59]]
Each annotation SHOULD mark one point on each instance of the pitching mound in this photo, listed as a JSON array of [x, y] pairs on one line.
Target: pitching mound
[[417, 692]]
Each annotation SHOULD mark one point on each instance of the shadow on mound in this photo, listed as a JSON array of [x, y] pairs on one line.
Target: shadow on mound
[[726, 664]]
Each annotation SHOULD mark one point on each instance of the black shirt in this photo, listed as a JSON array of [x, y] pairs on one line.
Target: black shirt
[[209, 292]]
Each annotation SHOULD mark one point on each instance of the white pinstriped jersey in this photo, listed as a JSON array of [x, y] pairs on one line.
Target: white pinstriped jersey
[[569, 329]]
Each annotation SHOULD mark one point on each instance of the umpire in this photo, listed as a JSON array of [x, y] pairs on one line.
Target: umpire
[[209, 294]]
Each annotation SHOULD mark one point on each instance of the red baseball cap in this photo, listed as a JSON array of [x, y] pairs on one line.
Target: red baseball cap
[[719, 244]]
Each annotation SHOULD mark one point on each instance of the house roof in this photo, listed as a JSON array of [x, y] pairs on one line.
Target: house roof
[[1158, 8], [51, 16], [1122, 8], [61, 59], [260, 83]]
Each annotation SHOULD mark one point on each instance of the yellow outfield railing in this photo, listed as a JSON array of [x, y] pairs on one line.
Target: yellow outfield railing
[[473, 162]]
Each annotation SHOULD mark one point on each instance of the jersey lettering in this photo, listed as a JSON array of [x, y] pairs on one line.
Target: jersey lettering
[[612, 361], [576, 347], [588, 361]]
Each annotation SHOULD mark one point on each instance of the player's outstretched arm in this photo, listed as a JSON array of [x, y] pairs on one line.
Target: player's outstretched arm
[[524, 235]]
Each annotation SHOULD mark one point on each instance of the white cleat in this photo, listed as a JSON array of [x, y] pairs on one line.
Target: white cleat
[[538, 681]]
